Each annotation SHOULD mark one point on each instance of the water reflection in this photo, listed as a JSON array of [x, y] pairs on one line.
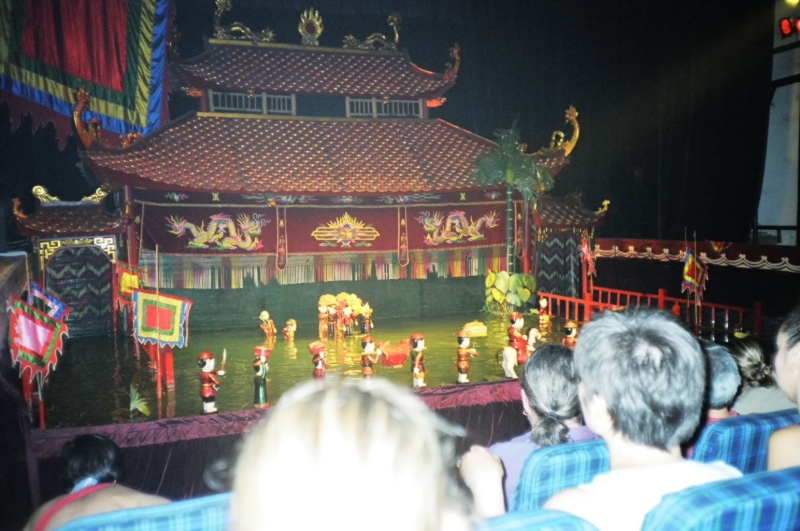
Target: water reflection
[[92, 382]]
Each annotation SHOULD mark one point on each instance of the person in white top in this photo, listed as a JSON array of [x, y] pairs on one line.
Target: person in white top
[[642, 387]]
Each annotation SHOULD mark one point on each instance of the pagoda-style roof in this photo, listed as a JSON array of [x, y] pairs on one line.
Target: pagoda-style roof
[[69, 218], [237, 66], [294, 155], [565, 212]]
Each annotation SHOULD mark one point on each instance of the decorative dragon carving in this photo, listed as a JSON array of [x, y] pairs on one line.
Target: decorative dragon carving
[[455, 228], [451, 69], [221, 232], [93, 131], [237, 30], [557, 142], [40, 193], [377, 41]]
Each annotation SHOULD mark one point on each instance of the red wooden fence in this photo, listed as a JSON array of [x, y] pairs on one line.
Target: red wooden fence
[[705, 318]]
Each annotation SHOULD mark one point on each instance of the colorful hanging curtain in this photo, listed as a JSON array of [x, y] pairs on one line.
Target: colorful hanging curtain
[[695, 274], [162, 319], [35, 338], [43, 300], [115, 49], [126, 278]]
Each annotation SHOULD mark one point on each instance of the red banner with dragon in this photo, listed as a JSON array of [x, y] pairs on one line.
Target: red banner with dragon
[[242, 229]]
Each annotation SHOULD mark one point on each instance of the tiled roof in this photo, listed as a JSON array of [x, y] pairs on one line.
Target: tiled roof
[[564, 212], [66, 218], [284, 69], [235, 153]]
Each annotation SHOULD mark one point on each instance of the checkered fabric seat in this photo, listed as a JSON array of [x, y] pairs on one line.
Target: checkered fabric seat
[[208, 513], [550, 470], [538, 519], [763, 501], [742, 441]]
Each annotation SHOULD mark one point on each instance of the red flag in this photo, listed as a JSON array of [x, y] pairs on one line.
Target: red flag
[[695, 274], [35, 338]]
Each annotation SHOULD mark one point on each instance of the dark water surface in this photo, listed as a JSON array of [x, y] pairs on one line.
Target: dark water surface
[[91, 383]]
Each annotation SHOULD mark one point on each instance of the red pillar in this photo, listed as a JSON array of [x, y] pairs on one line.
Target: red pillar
[[758, 322], [662, 298], [131, 241], [587, 305]]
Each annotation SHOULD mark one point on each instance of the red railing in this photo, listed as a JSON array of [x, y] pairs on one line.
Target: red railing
[[705, 318]]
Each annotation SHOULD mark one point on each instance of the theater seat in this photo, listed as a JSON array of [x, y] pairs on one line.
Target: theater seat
[[208, 513], [538, 519], [550, 470], [762, 501], [742, 441]]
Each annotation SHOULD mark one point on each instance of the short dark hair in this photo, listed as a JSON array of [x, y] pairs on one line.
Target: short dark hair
[[791, 327], [649, 370], [551, 385], [91, 456], [723, 375]]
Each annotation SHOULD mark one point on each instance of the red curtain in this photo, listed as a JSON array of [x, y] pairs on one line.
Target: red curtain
[[84, 38]]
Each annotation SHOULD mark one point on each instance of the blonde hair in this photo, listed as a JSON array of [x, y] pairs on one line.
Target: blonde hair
[[347, 455], [749, 357]]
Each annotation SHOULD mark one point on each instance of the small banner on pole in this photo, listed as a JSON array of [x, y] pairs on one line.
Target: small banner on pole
[[695, 274], [127, 278], [161, 319], [36, 338], [43, 300]]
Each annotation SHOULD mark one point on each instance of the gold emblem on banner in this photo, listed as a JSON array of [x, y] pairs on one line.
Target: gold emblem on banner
[[345, 231]]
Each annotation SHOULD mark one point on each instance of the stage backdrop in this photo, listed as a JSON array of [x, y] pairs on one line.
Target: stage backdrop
[[216, 241]]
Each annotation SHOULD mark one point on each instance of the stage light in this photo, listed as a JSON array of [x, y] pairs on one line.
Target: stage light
[[788, 27], [793, 3]]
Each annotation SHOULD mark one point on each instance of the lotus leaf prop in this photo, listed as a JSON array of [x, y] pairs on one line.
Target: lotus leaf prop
[[506, 293]]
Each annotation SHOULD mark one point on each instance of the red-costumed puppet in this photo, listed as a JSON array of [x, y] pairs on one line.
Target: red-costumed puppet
[[317, 350], [463, 354], [516, 339], [418, 359], [209, 383], [369, 357]]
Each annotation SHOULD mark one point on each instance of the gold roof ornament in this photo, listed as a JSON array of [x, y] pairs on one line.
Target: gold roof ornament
[[377, 41], [96, 197], [40, 193], [310, 27], [92, 132], [237, 30], [604, 208], [557, 139], [451, 69]]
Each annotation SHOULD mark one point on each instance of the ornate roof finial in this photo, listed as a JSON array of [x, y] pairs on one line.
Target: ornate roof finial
[[40, 193], [377, 39], [230, 31], [451, 69], [310, 27]]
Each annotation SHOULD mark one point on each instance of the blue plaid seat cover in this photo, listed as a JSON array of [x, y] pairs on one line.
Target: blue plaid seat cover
[[552, 469], [742, 441], [539, 519], [207, 513], [762, 501]]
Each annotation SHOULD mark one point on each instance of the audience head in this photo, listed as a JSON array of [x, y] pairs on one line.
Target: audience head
[[550, 393], [787, 360], [723, 375], [91, 456], [323, 445], [643, 377], [749, 356]]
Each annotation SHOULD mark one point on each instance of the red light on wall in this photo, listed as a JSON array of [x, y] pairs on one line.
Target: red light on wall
[[787, 27], [797, 25]]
